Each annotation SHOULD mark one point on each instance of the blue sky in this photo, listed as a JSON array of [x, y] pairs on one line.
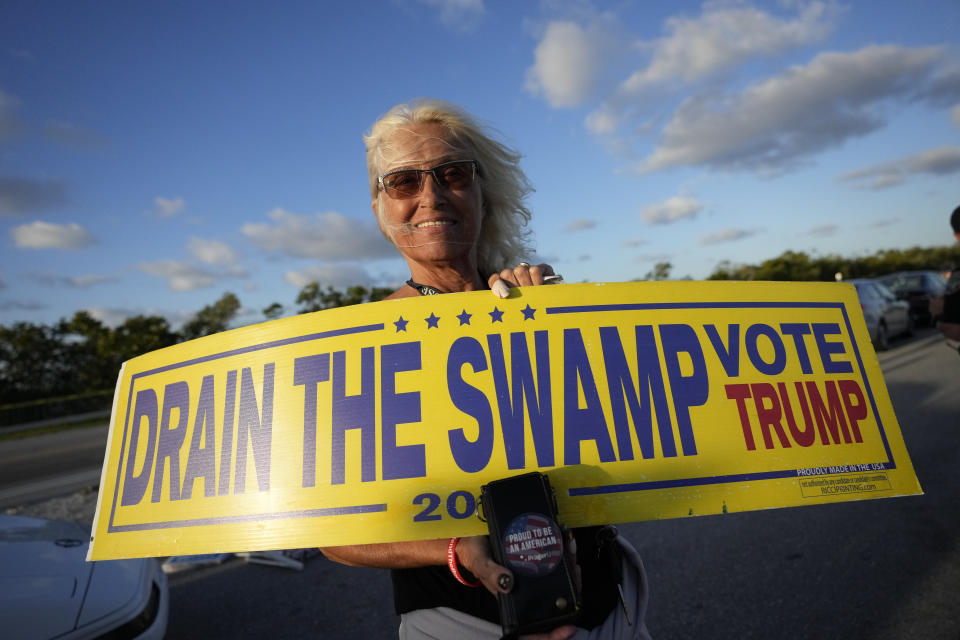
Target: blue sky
[[155, 155]]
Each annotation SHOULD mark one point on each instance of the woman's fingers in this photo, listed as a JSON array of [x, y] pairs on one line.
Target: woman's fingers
[[473, 553], [523, 275]]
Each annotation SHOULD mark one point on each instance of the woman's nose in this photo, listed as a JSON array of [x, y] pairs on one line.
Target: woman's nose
[[432, 194]]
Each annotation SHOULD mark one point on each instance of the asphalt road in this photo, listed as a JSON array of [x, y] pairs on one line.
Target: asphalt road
[[877, 569], [42, 467]]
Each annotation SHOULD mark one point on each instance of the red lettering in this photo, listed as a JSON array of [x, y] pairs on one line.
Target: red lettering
[[803, 438], [768, 417], [833, 410], [740, 393], [830, 416], [855, 412]]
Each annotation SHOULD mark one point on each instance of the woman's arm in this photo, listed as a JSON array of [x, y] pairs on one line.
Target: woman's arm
[[473, 554]]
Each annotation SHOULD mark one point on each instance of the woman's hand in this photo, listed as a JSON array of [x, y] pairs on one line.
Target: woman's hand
[[473, 553], [523, 275]]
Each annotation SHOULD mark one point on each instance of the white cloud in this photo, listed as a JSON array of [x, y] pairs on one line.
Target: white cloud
[[47, 235], [460, 15], [723, 37], [634, 243], [324, 236], [777, 122], [566, 64], [167, 207], [580, 225], [942, 161], [181, 276], [338, 276], [671, 210], [211, 251], [728, 235]]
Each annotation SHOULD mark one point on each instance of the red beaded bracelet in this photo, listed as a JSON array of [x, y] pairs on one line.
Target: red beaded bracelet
[[452, 563]]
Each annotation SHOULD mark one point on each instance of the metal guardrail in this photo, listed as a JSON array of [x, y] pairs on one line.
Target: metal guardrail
[[62, 409]]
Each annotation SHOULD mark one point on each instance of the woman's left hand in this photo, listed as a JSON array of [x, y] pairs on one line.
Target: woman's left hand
[[523, 275]]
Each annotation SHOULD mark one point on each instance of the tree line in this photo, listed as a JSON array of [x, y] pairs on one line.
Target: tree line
[[81, 354]]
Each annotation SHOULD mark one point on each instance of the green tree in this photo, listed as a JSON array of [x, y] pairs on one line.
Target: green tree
[[273, 312], [313, 297], [34, 363], [213, 318], [661, 271]]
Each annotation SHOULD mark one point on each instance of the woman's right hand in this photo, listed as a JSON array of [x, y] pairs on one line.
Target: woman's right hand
[[473, 554]]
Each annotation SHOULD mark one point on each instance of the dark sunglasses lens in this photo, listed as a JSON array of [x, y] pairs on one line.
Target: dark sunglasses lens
[[402, 183], [456, 175]]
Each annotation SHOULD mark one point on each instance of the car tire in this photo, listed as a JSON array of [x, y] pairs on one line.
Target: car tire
[[882, 341], [911, 326]]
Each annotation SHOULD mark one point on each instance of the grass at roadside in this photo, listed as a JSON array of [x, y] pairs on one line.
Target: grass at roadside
[[53, 428]]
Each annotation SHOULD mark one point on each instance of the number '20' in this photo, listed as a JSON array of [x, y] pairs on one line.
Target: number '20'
[[431, 502]]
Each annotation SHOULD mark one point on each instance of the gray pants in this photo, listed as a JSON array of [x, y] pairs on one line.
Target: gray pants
[[443, 623]]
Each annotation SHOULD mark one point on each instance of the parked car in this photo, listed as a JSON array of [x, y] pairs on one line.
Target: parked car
[[49, 590], [886, 316], [917, 288]]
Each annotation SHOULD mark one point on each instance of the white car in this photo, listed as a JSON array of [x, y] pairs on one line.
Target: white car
[[49, 590], [884, 315]]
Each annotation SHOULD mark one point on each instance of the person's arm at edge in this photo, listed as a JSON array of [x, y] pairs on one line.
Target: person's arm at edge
[[473, 554]]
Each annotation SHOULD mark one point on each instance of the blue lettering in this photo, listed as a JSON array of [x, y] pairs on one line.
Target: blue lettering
[[308, 371], [622, 388], [797, 330], [201, 461], [688, 391], [354, 412], [753, 351], [470, 455], [729, 355], [524, 392], [587, 423], [135, 485], [406, 461], [256, 425], [827, 349], [176, 395], [226, 445]]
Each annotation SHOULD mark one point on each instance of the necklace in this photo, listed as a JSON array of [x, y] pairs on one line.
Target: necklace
[[424, 289]]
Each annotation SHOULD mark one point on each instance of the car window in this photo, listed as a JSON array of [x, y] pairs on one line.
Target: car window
[[884, 293]]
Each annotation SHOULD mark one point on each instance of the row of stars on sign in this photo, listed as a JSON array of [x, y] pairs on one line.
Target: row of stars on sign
[[433, 320]]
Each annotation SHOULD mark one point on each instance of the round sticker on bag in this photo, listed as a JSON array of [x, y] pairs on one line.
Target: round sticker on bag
[[533, 545]]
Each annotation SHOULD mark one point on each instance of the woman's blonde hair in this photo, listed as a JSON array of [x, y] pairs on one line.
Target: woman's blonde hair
[[504, 237]]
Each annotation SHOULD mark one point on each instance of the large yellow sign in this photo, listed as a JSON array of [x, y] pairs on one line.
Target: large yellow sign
[[380, 422]]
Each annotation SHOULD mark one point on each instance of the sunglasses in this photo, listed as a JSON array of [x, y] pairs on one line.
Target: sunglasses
[[407, 183]]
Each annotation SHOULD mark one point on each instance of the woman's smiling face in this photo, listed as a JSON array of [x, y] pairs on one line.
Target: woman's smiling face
[[440, 224]]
